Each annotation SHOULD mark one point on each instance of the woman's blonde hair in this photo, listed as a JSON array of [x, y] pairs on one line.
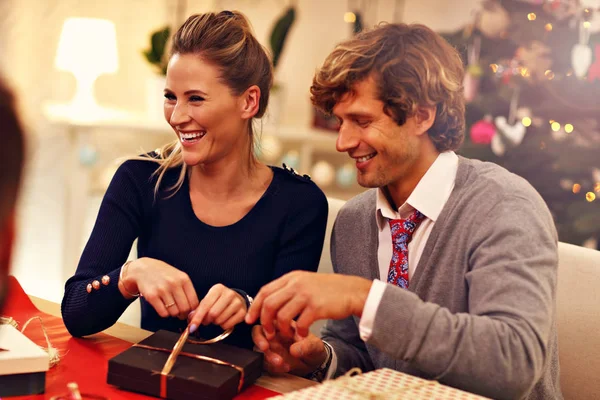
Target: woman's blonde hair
[[223, 39], [412, 65]]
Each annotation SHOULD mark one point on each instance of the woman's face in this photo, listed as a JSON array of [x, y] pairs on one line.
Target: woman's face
[[209, 120]]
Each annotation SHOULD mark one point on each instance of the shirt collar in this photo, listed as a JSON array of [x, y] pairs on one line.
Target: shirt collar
[[430, 194]]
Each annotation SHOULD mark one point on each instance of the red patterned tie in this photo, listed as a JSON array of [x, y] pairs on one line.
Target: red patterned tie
[[402, 231]]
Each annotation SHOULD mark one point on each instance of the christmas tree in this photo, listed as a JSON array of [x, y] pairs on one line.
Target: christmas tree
[[532, 87]]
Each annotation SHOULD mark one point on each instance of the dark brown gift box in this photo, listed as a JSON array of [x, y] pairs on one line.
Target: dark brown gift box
[[138, 369]]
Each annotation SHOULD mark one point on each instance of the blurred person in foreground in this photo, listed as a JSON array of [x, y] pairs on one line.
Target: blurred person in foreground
[[447, 267], [213, 223], [12, 153]]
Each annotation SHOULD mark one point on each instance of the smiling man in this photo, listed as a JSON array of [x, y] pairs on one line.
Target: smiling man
[[447, 268]]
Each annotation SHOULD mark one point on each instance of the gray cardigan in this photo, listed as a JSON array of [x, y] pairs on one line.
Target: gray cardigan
[[480, 311]]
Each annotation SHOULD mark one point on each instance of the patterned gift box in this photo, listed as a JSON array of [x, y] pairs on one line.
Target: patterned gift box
[[379, 384]]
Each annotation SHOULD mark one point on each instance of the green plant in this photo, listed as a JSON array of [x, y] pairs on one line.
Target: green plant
[[280, 32], [156, 54]]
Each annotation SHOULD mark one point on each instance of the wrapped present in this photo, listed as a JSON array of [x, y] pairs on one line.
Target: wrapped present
[[379, 385], [199, 371], [23, 364]]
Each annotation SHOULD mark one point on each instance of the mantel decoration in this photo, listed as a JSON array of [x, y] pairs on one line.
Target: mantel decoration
[[354, 18], [277, 41], [157, 56]]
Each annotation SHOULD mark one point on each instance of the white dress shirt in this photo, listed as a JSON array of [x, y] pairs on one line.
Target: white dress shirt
[[429, 197]]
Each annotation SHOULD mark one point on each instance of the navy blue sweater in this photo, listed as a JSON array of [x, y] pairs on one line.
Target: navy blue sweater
[[284, 231]]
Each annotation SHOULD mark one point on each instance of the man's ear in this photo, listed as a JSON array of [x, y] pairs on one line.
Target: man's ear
[[250, 102], [424, 119]]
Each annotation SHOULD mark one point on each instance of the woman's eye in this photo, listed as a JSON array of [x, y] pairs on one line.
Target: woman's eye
[[196, 98], [169, 96]]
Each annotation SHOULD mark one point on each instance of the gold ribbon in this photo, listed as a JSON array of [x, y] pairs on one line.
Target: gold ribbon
[[176, 351]]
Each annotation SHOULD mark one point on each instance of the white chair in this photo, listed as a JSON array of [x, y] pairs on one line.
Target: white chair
[[578, 321], [325, 265]]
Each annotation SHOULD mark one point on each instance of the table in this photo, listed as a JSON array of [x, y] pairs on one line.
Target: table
[[281, 383]]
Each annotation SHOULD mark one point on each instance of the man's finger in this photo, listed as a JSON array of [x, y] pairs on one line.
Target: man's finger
[[310, 349], [287, 313], [276, 369], [265, 291], [271, 307], [259, 339], [306, 319]]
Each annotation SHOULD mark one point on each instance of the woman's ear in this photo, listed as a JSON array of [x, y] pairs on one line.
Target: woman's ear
[[250, 102], [424, 118]]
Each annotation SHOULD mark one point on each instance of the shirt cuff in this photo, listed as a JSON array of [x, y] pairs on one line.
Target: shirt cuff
[[367, 320], [332, 365]]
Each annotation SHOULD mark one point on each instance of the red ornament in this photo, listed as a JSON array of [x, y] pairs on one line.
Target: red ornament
[[594, 70], [482, 132]]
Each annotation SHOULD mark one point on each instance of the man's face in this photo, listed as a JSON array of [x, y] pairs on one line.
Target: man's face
[[384, 152]]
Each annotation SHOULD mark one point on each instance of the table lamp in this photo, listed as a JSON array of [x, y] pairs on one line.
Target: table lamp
[[87, 48]]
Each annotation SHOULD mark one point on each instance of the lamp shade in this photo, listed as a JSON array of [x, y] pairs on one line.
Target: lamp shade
[[87, 46]]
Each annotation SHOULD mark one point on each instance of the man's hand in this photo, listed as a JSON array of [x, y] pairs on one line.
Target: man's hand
[[297, 355], [310, 296]]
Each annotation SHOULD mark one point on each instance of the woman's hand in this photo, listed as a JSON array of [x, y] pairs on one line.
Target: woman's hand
[[169, 290], [221, 306]]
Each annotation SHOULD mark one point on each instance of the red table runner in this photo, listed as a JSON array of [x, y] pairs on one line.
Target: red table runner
[[84, 361]]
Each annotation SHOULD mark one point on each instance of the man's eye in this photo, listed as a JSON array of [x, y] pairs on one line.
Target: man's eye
[[363, 124]]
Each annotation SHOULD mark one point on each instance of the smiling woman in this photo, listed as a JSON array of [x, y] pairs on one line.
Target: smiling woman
[[213, 223]]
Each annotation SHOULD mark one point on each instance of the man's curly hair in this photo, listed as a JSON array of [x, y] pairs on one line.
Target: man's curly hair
[[412, 65]]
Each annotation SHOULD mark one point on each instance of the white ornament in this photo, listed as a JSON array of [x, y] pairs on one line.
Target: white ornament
[[323, 173], [566, 184], [596, 174], [291, 159], [581, 59], [559, 135], [591, 243], [493, 20], [346, 175], [515, 133], [523, 112], [497, 145], [589, 3], [270, 148]]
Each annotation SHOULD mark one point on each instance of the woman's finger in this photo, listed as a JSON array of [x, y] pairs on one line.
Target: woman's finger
[[183, 306], [235, 319], [230, 311]]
